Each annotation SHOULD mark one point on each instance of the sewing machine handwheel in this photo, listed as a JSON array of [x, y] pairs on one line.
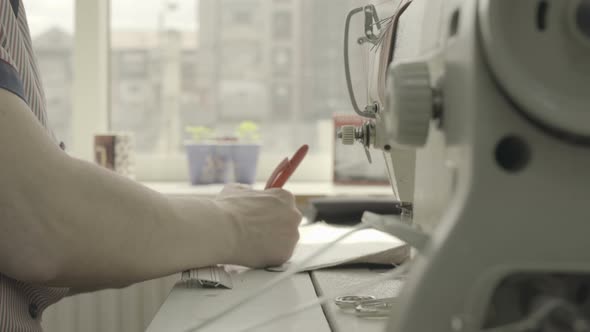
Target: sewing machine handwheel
[[540, 64], [409, 104]]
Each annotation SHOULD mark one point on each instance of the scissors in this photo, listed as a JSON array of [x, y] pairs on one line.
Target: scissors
[[367, 306], [286, 168]]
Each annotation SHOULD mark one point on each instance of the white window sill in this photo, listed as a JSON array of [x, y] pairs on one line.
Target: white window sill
[[299, 189]]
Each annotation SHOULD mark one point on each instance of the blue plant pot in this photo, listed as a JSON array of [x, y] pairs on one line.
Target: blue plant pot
[[245, 161], [208, 163]]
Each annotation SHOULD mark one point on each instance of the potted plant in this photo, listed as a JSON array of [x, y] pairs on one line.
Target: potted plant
[[208, 161], [245, 152]]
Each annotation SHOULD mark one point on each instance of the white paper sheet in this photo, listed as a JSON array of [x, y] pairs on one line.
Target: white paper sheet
[[365, 246]]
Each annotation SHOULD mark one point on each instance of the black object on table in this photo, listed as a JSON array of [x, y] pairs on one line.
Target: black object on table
[[349, 210]]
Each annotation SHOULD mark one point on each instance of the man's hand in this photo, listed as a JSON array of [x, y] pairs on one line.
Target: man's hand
[[265, 223]]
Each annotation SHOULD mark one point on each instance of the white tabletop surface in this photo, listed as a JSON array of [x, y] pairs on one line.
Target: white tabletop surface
[[185, 307]]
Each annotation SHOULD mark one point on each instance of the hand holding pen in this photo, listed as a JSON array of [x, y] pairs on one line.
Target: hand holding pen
[[264, 222]]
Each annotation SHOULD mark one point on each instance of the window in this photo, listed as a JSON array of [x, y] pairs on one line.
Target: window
[[213, 63], [283, 24], [217, 63], [282, 60], [153, 75], [131, 63], [282, 101], [242, 17], [52, 26]]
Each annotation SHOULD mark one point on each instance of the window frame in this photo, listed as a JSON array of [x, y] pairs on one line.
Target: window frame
[[90, 84]]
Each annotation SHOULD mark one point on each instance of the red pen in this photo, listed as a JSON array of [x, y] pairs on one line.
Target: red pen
[[286, 168]]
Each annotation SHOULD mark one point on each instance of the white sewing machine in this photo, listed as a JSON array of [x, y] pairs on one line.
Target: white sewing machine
[[482, 109], [494, 98]]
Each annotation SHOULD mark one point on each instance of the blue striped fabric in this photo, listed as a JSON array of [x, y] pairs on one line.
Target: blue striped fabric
[[10, 79], [21, 304]]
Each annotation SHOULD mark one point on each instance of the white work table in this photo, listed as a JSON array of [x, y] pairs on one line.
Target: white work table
[[186, 307]]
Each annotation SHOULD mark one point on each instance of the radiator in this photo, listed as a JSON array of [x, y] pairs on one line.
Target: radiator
[[125, 310]]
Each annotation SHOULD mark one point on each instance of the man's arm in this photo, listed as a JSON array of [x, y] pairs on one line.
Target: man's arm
[[69, 223]]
